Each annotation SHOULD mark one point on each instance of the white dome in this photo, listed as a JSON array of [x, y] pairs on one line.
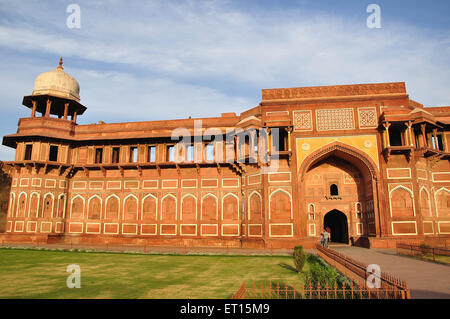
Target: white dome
[[57, 83]]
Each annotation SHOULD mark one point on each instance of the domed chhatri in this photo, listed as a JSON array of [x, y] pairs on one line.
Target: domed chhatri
[[57, 83], [55, 93]]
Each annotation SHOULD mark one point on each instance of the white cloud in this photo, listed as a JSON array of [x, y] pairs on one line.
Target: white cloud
[[196, 39], [121, 97], [172, 59]]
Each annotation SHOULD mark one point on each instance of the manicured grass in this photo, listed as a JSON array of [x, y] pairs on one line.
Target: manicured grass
[[429, 257], [27, 273]]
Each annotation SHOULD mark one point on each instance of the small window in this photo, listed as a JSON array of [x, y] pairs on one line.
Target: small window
[[170, 153], [190, 153], [151, 154], [334, 190], [28, 151], [180, 150], [358, 210], [133, 154], [440, 144], [98, 155], [115, 154], [311, 212], [395, 136], [53, 154], [255, 145], [209, 152], [280, 143]]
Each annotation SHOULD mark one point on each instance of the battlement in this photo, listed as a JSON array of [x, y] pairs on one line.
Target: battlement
[[333, 91]]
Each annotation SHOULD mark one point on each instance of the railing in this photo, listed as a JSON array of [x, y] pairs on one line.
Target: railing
[[422, 250], [358, 272], [308, 291], [240, 294]]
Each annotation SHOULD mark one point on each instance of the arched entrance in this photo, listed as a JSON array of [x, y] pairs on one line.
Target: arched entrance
[[342, 178], [337, 222]]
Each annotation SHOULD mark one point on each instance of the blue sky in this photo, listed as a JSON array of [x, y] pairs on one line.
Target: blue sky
[[153, 60]]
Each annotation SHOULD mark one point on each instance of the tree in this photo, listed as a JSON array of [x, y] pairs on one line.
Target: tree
[[299, 258]]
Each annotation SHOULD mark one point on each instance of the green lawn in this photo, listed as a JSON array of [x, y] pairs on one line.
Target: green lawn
[[26, 273], [437, 258]]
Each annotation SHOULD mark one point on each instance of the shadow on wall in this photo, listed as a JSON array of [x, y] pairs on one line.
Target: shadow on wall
[[5, 186], [360, 242]]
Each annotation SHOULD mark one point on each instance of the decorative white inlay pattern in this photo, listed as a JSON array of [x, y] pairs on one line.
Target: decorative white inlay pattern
[[367, 117], [335, 119], [302, 120]]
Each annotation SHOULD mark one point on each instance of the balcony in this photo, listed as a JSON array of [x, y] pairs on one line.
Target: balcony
[[406, 150]]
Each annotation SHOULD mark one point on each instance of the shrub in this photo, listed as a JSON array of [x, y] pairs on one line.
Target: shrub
[[320, 272], [299, 258], [426, 249]]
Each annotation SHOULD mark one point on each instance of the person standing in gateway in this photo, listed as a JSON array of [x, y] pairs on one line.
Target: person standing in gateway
[[329, 233], [326, 237], [322, 241]]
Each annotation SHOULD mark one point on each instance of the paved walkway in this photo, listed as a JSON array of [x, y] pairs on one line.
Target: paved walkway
[[425, 279]]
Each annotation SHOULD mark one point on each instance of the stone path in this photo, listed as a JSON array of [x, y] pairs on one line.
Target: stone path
[[425, 279]]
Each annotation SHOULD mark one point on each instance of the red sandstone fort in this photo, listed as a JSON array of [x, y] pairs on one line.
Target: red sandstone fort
[[364, 160]]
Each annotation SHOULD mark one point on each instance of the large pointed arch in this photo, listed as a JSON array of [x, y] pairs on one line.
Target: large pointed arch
[[362, 162], [349, 153]]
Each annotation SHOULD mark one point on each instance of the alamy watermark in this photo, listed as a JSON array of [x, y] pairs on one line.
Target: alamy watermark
[[73, 21], [374, 278], [233, 145], [374, 19], [74, 279]]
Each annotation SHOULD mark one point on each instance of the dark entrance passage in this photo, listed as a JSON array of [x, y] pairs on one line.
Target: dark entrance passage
[[337, 222]]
